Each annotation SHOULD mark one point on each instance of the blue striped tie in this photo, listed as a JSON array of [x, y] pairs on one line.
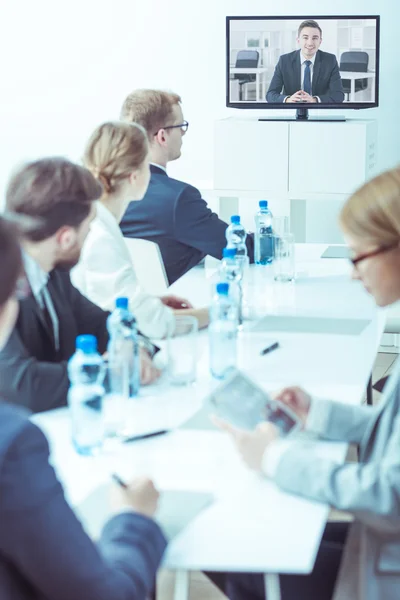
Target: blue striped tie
[[307, 77]]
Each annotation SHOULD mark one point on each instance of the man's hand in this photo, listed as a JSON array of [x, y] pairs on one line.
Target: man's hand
[[175, 302], [140, 496], [296, 97], [251, 445], [307, 98], [297, 400], [148, 372]]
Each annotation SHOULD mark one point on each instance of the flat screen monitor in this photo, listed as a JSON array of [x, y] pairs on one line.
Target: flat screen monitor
[[302, 62]]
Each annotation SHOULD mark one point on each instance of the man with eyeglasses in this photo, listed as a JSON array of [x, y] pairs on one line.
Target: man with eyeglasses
[[172, 214]]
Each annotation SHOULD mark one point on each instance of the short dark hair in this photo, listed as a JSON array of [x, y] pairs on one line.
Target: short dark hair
[[309, 23], [56, 191], [11, 260]]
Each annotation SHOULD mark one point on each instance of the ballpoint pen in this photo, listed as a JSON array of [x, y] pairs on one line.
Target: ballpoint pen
[[270, 348]]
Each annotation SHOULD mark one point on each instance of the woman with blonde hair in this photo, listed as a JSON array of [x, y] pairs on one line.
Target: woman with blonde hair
[[358, 560], [118, 156]]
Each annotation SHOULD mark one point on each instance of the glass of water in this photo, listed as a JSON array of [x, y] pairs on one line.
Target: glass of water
[[284, 261], [116, 397], [182, 351]]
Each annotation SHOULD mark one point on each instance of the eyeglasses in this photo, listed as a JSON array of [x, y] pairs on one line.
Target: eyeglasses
[[355, 261], [182, 126]]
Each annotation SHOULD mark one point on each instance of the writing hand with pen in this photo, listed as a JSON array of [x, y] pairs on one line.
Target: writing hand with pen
[[139, 495]]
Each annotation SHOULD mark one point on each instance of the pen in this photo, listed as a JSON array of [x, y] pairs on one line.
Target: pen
[[144, 436], [269, 349], [119, 481]]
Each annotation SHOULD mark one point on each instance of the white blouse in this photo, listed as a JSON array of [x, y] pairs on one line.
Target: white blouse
[[105, 272]]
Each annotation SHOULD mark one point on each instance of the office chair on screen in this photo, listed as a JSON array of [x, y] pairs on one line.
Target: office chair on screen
[[244, 60], [354, 61]]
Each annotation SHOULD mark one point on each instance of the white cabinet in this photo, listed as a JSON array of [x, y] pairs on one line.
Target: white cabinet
[[305, 168]]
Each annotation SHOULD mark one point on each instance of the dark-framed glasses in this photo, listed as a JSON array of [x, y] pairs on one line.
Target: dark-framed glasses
[[357, 259], [182, 126]]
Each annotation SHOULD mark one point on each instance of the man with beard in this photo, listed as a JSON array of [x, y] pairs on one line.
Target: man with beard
[[60, 196]]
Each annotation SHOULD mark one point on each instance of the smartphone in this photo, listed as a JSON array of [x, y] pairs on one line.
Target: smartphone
[[243, 403]]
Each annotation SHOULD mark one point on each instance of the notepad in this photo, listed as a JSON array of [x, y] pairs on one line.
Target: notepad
[[176, 508], [309, 324], [336, 252]]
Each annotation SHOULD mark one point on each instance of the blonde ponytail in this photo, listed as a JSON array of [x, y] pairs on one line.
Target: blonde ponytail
[[114, 151]]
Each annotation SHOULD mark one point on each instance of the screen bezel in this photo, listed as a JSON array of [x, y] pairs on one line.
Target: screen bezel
[[307, 105]]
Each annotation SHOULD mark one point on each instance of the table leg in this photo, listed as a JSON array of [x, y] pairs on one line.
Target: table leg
[[181, 585], [272, 586], [258, 86], [352, 90], [369, 392]]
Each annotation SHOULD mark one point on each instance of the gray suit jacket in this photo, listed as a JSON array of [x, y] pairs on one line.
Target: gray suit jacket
[[370, 490], [326, 81]]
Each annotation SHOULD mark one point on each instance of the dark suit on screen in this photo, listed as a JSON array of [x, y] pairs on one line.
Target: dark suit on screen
[[326, 80]]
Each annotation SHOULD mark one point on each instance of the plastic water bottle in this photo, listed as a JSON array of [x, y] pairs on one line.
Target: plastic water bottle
[[263, 250], [231, 271], [123, 350], [85, 397], [223, 330], [236, 237]]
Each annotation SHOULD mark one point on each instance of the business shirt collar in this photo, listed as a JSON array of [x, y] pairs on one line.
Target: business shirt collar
[[158, 167], [303, 59], [37, 277]]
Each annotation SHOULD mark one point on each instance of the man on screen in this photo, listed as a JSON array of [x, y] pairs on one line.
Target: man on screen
[[307, 74]]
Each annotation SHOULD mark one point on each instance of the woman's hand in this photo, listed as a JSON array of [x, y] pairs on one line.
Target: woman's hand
[[175, 302], [148, 372], [251, 445], [297, 400]]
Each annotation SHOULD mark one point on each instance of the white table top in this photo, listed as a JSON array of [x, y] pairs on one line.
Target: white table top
[[247, 528], [248, 69], [357, 74]]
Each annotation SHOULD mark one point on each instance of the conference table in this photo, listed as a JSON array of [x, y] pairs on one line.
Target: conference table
[[261, 82], [329, 332], [353, 76]]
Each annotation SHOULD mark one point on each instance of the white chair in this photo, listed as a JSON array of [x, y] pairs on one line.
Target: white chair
[[148, 265]]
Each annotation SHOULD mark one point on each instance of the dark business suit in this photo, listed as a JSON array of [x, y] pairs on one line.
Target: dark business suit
[[32, 371], [174, 215], [326, 81], [44, 552]]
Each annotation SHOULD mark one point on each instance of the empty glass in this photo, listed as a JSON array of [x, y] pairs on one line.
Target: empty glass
[[182, 351], [284, 263], [116, 397]]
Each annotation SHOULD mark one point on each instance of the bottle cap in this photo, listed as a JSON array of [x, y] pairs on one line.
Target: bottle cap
[[121, 303], [235, 219], [263, 204], [86, 343], [229, 252], [222, 289]]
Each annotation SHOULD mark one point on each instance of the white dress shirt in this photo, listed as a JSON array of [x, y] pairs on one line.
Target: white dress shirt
[[38, 279], [159, 166], [302, 70], [105, 272]]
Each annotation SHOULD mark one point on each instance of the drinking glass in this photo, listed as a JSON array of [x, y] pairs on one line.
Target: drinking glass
[[284, 263], [182, 351]]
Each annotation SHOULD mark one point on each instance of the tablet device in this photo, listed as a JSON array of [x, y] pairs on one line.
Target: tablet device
[[243, 403]]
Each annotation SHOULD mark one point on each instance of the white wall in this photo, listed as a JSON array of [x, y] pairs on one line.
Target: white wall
[[65, 70]]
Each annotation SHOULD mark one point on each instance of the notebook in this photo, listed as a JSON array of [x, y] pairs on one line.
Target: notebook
[[336, 252]]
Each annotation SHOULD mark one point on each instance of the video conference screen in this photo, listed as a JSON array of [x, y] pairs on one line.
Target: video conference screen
[[330, 61]]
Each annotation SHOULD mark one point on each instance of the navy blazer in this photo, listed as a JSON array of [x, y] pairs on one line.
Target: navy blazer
[[44, 551], [174, 215], [326, 81], [32, 371]]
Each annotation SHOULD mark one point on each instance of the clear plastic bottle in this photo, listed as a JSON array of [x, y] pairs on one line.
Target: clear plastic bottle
[[85, 397], [236, 237], [223, 331], [231, 271], [263, 246], [123, 346]]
